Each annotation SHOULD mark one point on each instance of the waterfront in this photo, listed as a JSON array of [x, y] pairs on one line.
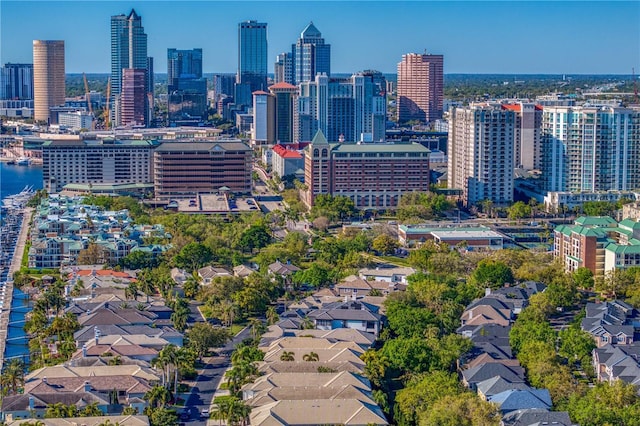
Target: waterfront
[[14, 178]]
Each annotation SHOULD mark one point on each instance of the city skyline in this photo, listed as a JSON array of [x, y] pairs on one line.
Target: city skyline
[[475, 37]]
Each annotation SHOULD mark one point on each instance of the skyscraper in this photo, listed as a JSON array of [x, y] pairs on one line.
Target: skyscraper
[[480, 153], [285, 96], [311, 55], [590, 148], [350, 109], [420, 87], [16, 81], [252, 60], [186, 88], [128, 50], [283, 68], [48, 77], [132, 98]]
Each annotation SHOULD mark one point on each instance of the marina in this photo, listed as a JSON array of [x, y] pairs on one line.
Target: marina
[[13, 303]]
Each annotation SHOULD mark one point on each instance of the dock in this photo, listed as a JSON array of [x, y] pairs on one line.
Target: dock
[[23, 215]]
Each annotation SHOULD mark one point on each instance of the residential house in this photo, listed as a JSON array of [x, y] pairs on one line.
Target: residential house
[[300, 366], [618, 362], [363, 339], [209, 273], [536, 417], [497, 384], [347, 314], [389, 274], [518, 399], [473, 376], [488, 310], [612, 322], [347, 412], [34, 404], [243, 271], [284, 270], [308, 380], [355, 286], [131, 420]]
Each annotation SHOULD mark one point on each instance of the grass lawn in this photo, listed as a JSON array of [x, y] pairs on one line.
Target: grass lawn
[[236, 328]]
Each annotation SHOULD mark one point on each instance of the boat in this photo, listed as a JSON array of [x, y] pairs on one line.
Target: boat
[[23, 161], [11, 162]]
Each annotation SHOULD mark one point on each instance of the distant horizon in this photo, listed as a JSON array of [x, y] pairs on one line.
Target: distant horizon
[[475, 37]]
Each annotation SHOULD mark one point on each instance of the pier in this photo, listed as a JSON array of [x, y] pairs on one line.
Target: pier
[[15, 231]]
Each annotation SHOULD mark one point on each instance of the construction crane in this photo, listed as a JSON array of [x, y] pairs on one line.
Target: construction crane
[[635, 84], [106, 109], [87, 97]]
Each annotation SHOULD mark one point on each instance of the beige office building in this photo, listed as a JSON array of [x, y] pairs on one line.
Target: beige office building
[[48, 77], [420, 87]]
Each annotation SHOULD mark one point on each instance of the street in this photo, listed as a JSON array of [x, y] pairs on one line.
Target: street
[[209, 380]]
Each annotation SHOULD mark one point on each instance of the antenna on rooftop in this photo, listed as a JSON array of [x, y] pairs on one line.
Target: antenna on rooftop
[[635, 84]]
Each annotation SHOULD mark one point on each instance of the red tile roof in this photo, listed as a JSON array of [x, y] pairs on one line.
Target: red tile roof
[[103, 273], [511, 107], [260, 92], [286, 153]]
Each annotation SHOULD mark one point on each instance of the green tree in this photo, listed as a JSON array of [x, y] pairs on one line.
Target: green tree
[[423, 391], [384, 244], [598, 208], [139, 259], [576, 345], [410, 355], [202, 336], [91, 410], [12, 377], [519, 210], [318, 274], [606, 404], [583, 277], [492, 273], [256, 237], [157, 396], [193, 256], [463, 409], [311, 356], [162, 416], [191, 286]]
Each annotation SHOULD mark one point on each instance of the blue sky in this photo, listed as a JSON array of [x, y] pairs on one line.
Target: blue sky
[[511, 37]]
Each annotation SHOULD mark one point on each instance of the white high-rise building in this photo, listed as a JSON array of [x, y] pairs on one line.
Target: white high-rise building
[[480, 153], [349, 109], [590, 148], [263, 126]]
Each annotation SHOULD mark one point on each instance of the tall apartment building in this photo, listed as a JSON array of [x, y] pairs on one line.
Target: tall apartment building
[[285, 96], [283, 68], [590, 148], [374, 176], [132, 110], [187, 89], [349, 109], [16, 81], [182, 170], [420, 87], [252, 61], [310, 55], [107, 162], [480, 153], [129, 50], [48, 77], [263, 130], [527, 148]]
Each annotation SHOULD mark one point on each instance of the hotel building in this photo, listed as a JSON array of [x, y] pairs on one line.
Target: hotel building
[[183, 170], [90, 163], [373, 175]]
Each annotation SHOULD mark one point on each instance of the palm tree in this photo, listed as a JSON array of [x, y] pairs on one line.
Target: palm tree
[[13, 376], [91, 410], [272, 315], [237, 412], [311, 356], [192, 285], [132, 291], [287, 356], [157, 396], [116, 360], [257, 327], [179, 318], [129, 411]]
